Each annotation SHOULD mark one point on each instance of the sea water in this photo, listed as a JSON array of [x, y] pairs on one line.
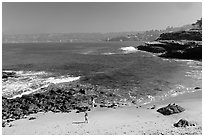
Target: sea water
[[114, 65]]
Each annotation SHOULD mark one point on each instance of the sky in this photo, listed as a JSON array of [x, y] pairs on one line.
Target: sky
[[36, 17]]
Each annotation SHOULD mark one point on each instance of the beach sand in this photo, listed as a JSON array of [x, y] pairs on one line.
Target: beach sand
[[122, 120]]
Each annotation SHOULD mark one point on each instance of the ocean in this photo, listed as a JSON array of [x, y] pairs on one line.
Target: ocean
[[116, 66]]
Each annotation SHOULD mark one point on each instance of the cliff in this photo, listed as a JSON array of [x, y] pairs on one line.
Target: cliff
[[185, 44]]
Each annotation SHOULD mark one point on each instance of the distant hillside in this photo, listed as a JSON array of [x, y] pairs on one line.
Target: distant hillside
[[89, 37], [150, 35], [61, 37]]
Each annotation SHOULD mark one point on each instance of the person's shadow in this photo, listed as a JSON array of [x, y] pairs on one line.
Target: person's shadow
[[78, 122]]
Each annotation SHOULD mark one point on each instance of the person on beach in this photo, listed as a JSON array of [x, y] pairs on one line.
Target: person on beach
[[93, 101], [86, 117]]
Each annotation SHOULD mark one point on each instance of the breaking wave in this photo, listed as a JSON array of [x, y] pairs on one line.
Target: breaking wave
[[27, 82], [129, 49], [109, 53]]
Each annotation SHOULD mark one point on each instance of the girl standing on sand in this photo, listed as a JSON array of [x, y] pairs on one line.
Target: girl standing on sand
[[86, 117], [93, 101]]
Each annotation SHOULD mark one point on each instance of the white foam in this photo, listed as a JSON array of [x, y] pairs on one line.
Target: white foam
[[109, 53], [30, 91], [129, 49], [62, 80], [30, 73], [28, 82]]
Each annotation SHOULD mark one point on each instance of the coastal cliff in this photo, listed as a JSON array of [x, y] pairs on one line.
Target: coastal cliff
[[185, 44]]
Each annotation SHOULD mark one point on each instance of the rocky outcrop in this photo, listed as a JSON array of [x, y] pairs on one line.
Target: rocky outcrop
[[182, 49], [195, 35], [56, 98], [157, 48], [170, 109], [183, 123], [6, 75], [186, 44]]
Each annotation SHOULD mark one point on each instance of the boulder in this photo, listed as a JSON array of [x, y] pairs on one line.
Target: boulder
[[153, 49], [8, 74], [197, 88], [170, 109], [153, 107], [82, 91], [183, 123], [32, 118]]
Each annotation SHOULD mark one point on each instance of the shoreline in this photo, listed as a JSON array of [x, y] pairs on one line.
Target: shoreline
[[124, 120]]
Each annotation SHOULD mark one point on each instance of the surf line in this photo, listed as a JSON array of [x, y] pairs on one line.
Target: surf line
[[50, 81]]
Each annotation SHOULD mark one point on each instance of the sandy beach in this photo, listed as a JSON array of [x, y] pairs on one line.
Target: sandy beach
[[124, 120]]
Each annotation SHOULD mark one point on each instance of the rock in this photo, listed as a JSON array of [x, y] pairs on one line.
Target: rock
[[31, 118], [112, 105], [170, 109], [56, 99], [133, 102], [153, 107], [77, 111], [197, 88], [102, 105], [82, 91], [192, 52], [82, 109], [181, 45], [4, 123], [182, 35], [8, 74], [153, 49], [183, 123]]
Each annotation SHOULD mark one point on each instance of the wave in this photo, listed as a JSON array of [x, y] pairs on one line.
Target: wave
[[62, 79], [27, 82], [129, 49], [109, 53]]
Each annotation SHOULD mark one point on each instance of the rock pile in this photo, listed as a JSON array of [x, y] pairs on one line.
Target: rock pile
[[54, 100], [183, 123], [170, 109], [6, 75]]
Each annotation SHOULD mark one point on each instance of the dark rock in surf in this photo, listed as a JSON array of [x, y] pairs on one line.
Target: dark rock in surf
[[183, 123], [153, 49], [32, 118], [197, 88], [170, 109], [112, 105], [6, 75], [153, 107], [82, 91]]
